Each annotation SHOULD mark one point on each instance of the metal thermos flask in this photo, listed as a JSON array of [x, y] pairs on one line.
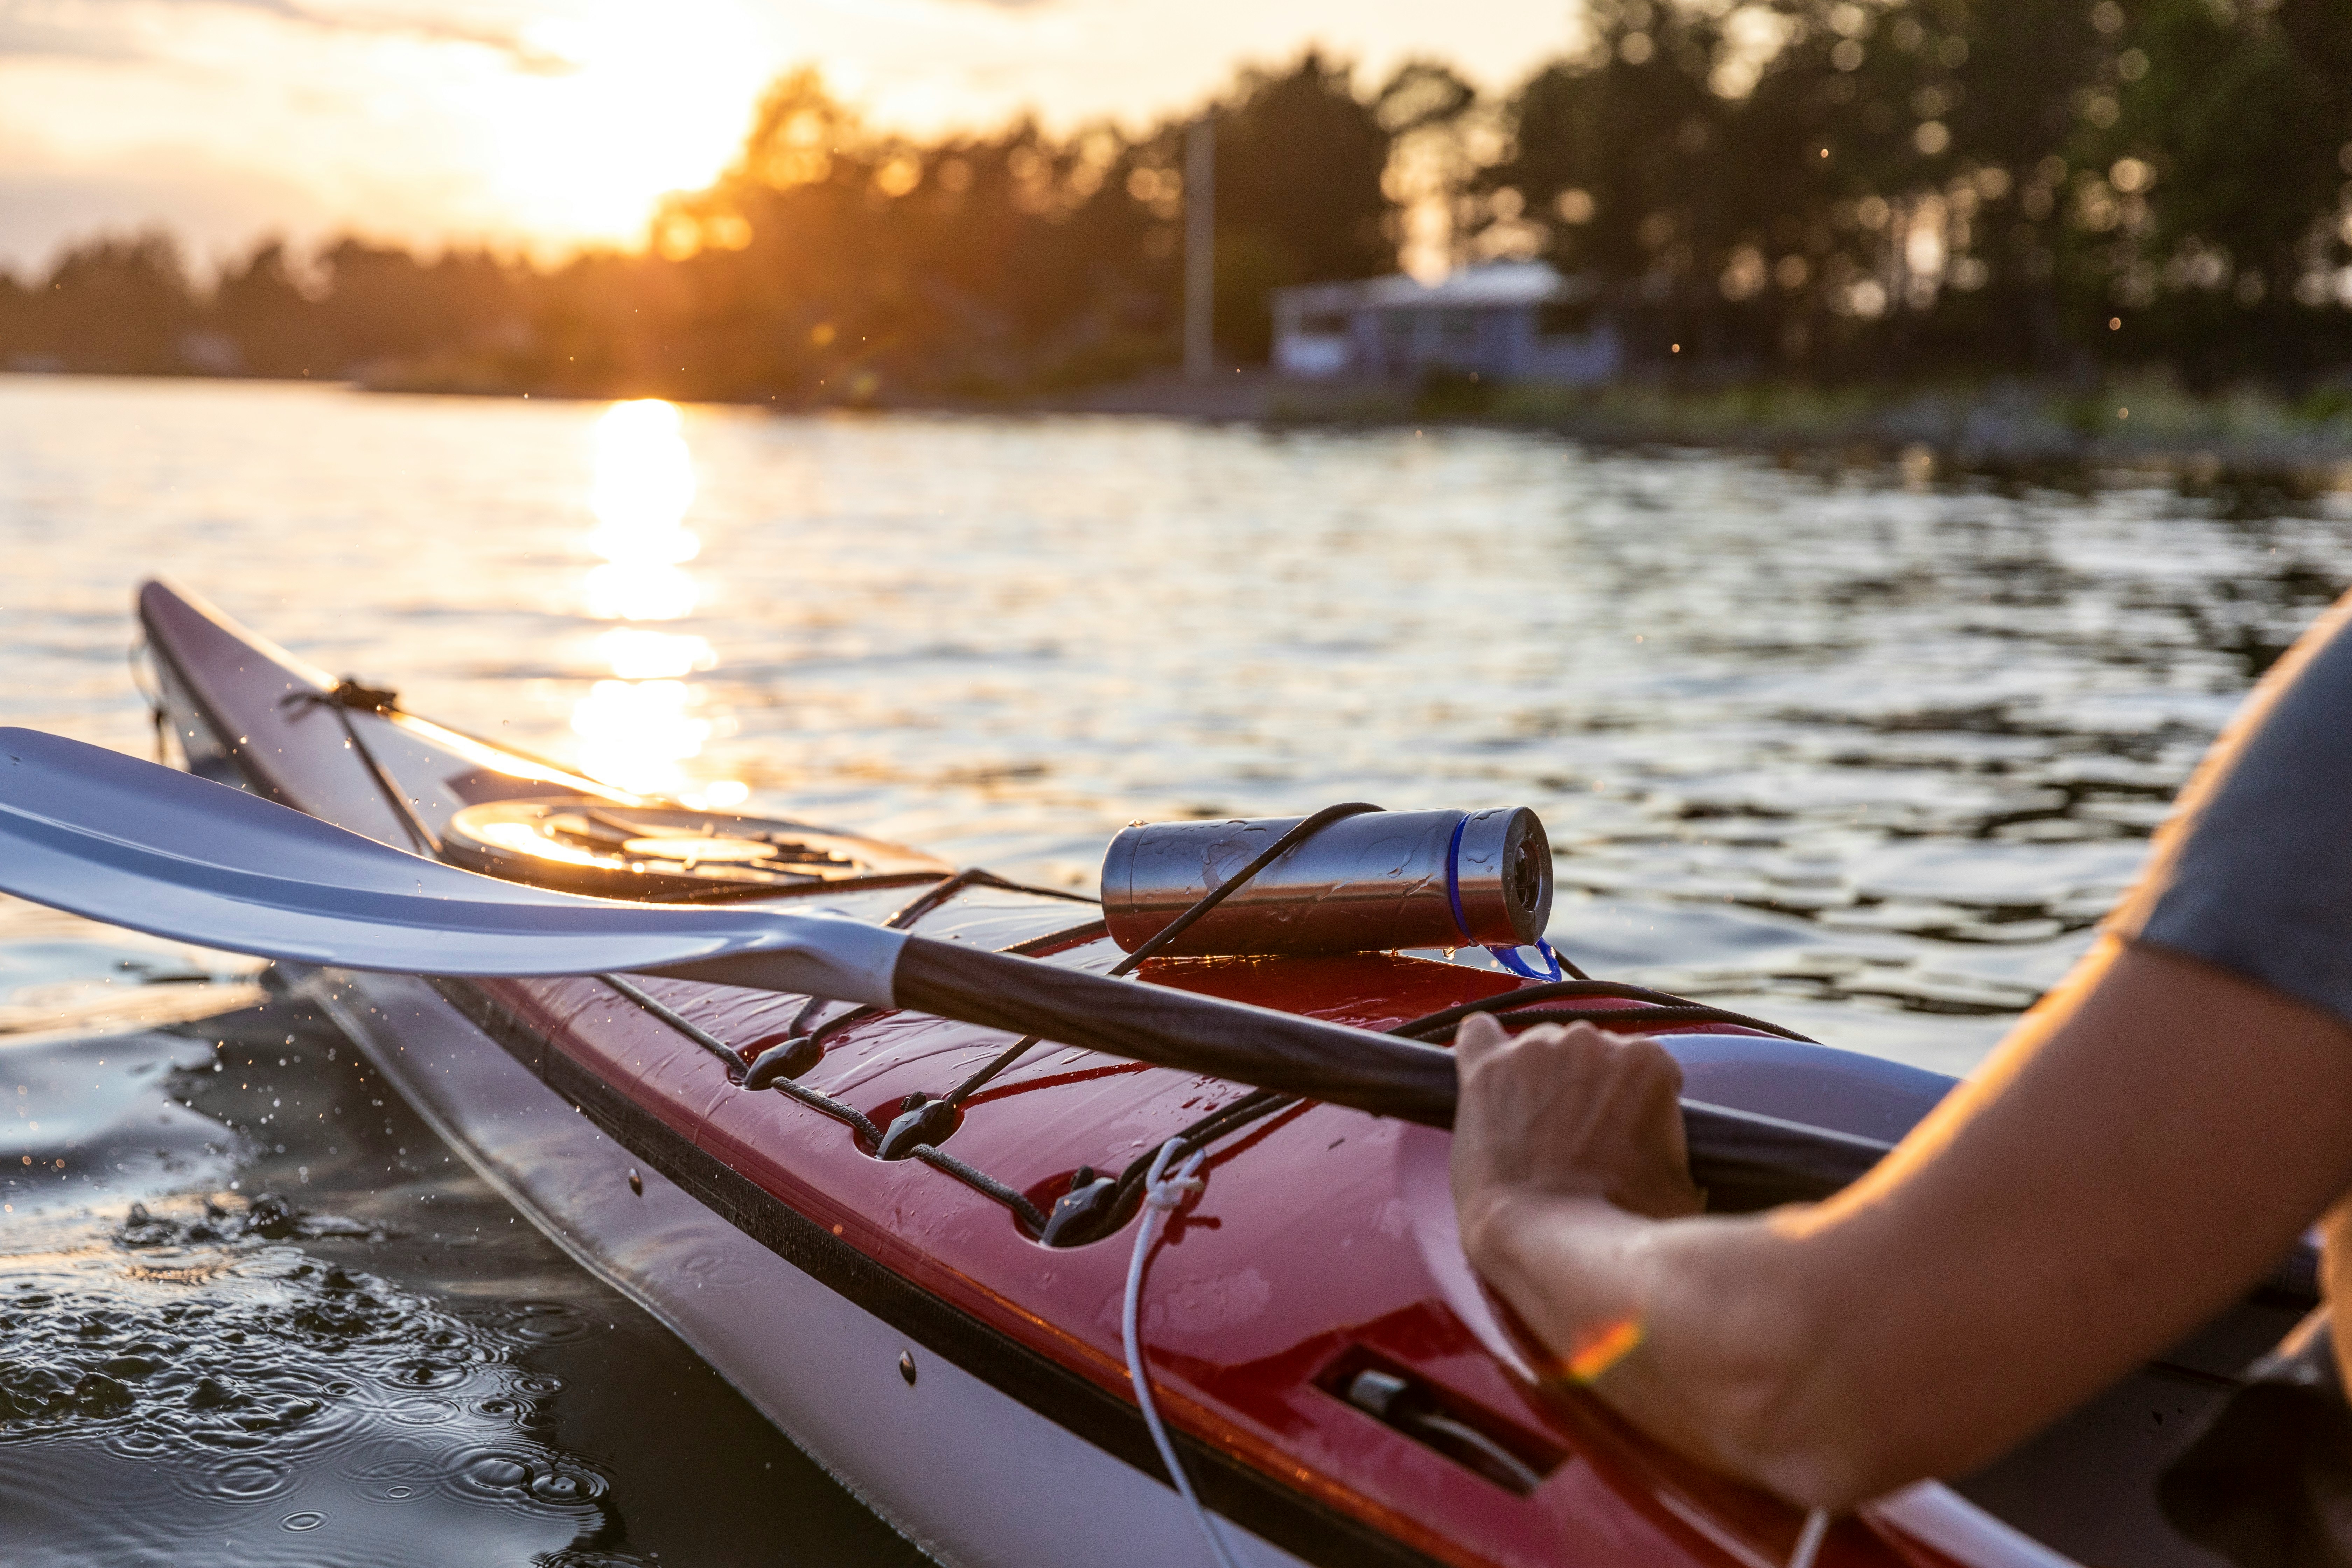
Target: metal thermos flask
[[1369, 882]]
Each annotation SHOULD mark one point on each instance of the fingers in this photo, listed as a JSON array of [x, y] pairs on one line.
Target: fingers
[[1475, 1040], [1570, 1110], [1549, 1060]]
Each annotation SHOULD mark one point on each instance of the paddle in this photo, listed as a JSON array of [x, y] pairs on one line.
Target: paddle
[[132, 843]]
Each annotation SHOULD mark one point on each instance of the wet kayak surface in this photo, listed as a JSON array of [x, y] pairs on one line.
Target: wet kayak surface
[[1856, 750]]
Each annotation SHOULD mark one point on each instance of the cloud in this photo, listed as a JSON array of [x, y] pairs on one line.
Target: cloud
[[428, 28], [25, 30], [121, 29], [213, 211]]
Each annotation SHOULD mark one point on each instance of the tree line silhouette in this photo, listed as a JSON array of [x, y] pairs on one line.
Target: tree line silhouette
[[1826, 189]]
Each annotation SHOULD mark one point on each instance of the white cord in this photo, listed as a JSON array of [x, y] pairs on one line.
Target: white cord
[[1162, 1193], [1809, 1541]]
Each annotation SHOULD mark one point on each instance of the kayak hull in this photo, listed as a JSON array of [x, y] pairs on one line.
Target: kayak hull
[[826, 1369]]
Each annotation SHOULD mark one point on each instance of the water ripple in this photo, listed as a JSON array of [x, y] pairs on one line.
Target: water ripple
[[259, 1353]]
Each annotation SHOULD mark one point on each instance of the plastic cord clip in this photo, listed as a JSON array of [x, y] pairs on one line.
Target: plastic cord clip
[[1810, 1539], [1508, 957]]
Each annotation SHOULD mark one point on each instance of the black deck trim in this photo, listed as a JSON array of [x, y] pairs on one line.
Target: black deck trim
[[181, 686], [1301, 1525]]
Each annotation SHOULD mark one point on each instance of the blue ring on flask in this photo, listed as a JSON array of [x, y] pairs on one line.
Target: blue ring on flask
[[1508, 956], [1454, 877]]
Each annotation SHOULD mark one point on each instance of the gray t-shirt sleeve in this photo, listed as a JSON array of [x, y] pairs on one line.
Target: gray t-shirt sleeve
[[2254, 871]]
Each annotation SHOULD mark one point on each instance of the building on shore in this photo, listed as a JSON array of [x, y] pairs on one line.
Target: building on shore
[[1505, 321]]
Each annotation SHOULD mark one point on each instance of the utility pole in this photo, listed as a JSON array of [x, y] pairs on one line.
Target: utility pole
[[1200, 246]]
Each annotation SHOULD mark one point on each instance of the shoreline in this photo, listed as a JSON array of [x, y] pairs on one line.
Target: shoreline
[[2006, 429], [2014, 431]]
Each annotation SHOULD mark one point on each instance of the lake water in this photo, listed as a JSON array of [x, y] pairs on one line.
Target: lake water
[[1857, 749]]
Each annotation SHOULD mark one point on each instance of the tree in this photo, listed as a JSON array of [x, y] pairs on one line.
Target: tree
[[278, 328], [1298, 193], [120, 306], [2209, 208]]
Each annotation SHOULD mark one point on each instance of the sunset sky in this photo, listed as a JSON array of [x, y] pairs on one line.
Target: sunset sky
[[551, 121]]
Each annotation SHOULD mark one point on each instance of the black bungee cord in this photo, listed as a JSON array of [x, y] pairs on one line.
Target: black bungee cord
[[816, 1100], [924, 1120], [1440, 1026], [348, 696], [914, 909]]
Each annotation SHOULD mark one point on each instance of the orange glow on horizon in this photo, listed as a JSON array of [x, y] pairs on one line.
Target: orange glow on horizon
[[536, 127]]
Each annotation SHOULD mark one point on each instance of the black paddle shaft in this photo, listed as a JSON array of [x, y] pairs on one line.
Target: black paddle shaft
[[1745, 1160]]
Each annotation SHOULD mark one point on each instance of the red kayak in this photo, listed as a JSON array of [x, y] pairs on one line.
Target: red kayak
[[927, 1289]]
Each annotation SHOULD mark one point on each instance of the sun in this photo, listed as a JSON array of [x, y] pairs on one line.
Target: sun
[[638, 100]]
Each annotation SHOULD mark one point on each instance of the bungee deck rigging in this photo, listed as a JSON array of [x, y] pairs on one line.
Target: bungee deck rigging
[[1094, 1206]]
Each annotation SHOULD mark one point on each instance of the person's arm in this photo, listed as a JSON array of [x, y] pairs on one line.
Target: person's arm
[[2143, 1146]]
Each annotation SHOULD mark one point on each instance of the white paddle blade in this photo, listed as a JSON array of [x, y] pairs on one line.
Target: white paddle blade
[[106, 836]]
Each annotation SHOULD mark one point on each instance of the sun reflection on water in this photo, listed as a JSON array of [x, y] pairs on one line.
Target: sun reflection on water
[[639, 729], [623, 593], [635, 733], [642, 490], [639, 653], [643, 484]]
